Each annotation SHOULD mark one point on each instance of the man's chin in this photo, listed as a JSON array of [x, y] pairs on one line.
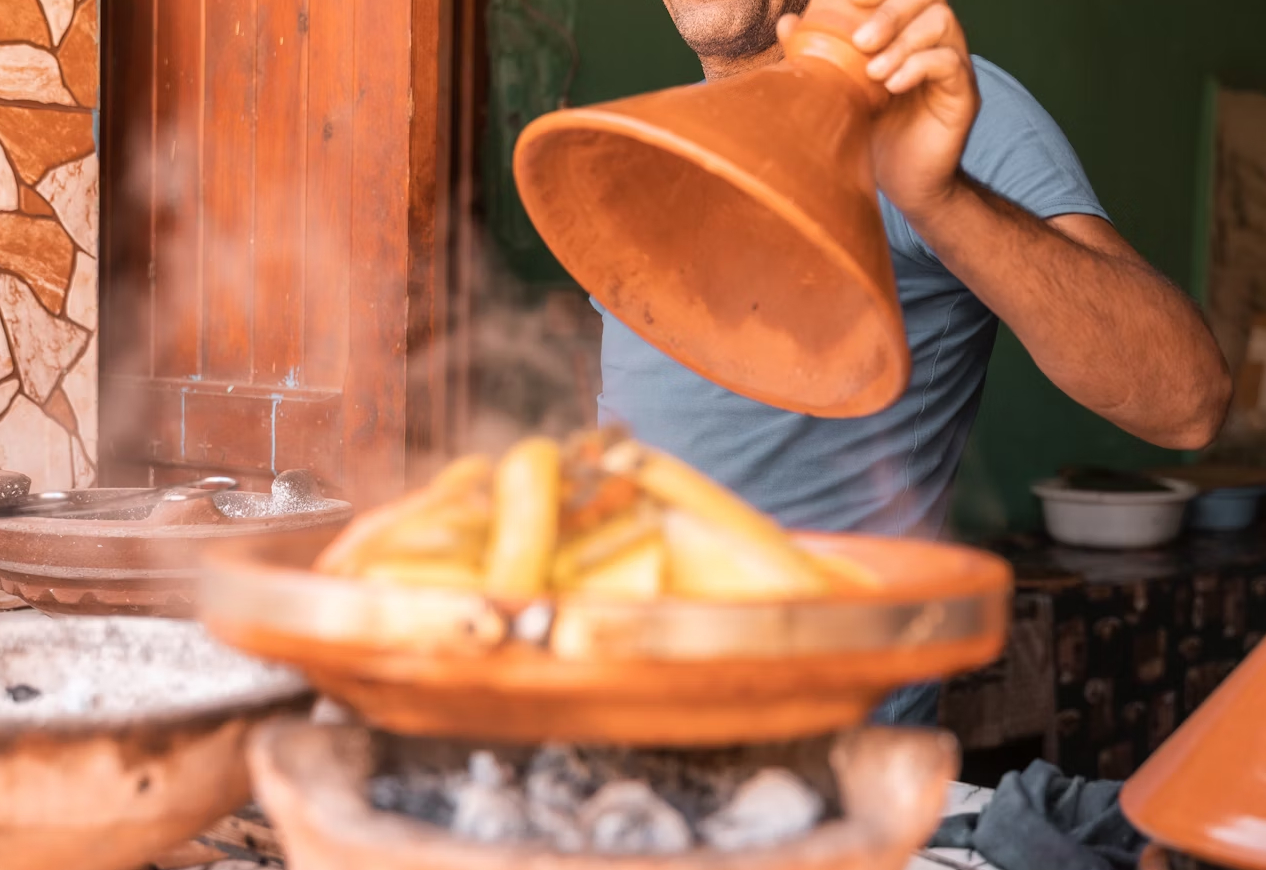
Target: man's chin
[[724, 28]]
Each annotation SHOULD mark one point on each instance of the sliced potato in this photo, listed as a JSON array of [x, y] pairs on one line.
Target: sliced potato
[[525, 519], [457, 531], [359, 541], [844, 574], [422, 573], [590, 549], [691, 493], [710, 561], [636, 573]]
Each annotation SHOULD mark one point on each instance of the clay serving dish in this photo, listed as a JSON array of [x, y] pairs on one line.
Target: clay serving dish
[[1203, 793], [670, 672], [312, 782], [12, 485], [96, 777], [143, 562]]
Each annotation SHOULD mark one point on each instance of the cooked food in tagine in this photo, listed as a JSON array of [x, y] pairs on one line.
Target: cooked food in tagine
[[599, 514]]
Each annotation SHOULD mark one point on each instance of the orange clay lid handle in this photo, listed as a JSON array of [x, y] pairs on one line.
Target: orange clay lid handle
[[825, 32]]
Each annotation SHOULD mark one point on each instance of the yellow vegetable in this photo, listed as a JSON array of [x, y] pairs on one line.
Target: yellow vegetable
[[359, 541], [843, 573], [525, 519], [428, 574], [636, 573], [457, 531], [594, 547], [676, 484], [709, 561]]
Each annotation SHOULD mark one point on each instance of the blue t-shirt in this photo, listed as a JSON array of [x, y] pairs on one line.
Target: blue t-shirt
[[889, 473]]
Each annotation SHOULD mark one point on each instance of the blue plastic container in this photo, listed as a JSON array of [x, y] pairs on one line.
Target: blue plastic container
[[1226, 510]]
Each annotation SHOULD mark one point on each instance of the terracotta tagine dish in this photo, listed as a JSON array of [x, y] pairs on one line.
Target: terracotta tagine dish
[[1202, 796], [12, 486], [1157, 858], [598, 591], [342, 796], [741, 215], [120, 738], [142, 561]]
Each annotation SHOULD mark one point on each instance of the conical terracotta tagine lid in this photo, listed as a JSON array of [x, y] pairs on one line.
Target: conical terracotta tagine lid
[[1204, 792], [735, 225]]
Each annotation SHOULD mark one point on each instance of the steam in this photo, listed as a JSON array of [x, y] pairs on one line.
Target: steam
[[525, 365]]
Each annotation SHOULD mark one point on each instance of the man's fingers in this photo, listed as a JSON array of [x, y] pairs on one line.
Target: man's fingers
[[889, 18], [935, 26], [943, 66]]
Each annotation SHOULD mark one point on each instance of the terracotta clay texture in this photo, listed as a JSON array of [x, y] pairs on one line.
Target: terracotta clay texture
[[90, 796], [133, 565], [670, 672], [311, 780], [751, 251], [1203, 793]]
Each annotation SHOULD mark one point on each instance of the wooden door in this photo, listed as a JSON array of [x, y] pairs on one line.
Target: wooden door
[[274, 197]]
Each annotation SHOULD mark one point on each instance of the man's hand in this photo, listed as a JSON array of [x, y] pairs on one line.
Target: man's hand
[[920, 54]]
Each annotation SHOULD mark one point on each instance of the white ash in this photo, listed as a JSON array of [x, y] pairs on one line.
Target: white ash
[[118, 670], [610, 800], [627, 818], [486, 807], [773, 806]]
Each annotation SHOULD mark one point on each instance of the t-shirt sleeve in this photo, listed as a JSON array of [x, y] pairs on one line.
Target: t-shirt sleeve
[[1018, 151]]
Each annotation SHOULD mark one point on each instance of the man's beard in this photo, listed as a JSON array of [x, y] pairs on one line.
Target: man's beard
[[730, 28]]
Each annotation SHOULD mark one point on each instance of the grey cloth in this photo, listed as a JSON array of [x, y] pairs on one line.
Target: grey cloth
[[1041, 819], [910, 707]]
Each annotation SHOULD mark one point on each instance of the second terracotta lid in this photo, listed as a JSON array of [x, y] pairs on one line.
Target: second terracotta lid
[[1204, 792]]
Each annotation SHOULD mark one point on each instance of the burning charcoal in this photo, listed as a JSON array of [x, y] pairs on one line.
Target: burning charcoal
[[557, 783], [327, 711], [559, 778], [423, 796], [20, 694], [489, 815], [560, 829], [773, 806], [487, 770], [627, 818]]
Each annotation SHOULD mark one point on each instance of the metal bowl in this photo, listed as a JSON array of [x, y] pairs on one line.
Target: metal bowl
[[143, 561]]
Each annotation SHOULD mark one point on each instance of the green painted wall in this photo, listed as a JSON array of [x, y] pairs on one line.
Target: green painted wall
[[1126, 79]]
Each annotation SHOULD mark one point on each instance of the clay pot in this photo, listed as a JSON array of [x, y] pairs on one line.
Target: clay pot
[[1154, 858], [312, 782], [140, 562], [1203, 793], [670, 672], [111, 795], [735, 225]]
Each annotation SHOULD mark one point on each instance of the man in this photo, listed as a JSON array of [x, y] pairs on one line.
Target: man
[[989, 216]]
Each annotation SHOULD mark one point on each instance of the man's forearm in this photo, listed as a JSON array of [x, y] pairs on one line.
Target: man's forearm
[[1099, 321]]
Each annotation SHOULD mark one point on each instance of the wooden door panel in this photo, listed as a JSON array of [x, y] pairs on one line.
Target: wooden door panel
[[264, 207]]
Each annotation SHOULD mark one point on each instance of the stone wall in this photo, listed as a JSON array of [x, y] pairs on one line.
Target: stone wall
[[49, 71]]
